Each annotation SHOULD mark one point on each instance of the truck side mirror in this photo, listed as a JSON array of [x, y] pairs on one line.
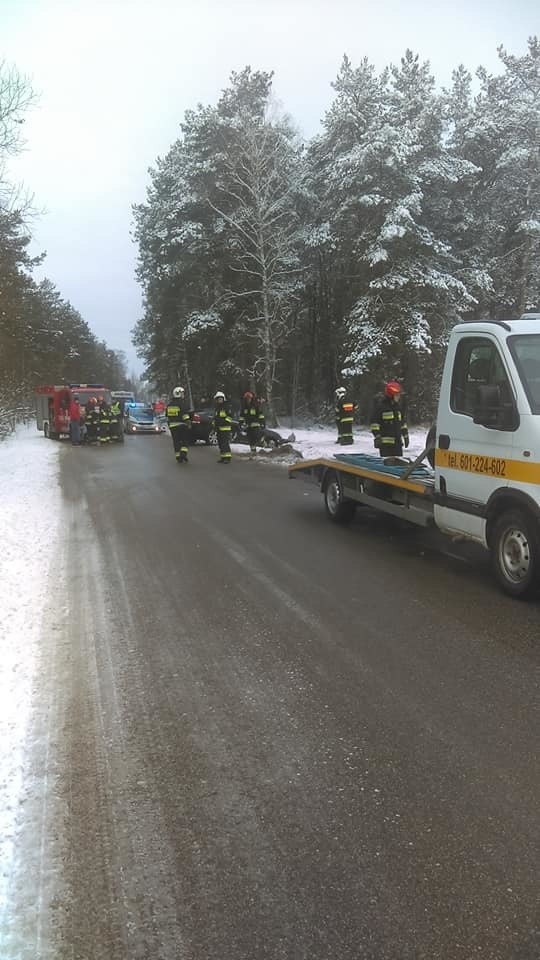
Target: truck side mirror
[[491, 410]]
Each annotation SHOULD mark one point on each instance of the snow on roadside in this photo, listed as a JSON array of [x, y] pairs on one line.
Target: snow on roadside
[[29, 525]]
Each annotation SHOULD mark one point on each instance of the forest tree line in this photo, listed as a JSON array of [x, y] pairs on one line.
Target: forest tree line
[[43, 338], [292, 266]]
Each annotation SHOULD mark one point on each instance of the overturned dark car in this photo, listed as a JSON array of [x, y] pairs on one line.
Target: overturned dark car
[[202, 428]]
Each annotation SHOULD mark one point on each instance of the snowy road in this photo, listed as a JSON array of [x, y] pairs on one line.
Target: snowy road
[[246, 733]]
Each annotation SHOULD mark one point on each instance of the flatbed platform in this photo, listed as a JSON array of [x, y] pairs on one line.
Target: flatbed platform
[[409, 475]]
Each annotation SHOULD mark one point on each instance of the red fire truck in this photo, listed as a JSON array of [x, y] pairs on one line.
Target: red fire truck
[[52, 405]]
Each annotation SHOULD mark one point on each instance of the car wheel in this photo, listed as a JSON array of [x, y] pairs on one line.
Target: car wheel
[[515, 553], [270, 443], [212, 437], [338, 508]]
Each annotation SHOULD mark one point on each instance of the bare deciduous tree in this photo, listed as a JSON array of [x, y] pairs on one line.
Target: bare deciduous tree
[[16, 97], [259, 187]]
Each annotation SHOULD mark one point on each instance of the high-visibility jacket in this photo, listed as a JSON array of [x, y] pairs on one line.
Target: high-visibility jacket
[[177, 414], [104, 422], [222, 418], [345, 410], [389, 425], [251, 415], [91, 417]]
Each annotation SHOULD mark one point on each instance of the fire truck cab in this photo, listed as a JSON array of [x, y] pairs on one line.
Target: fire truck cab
[[52, 405]]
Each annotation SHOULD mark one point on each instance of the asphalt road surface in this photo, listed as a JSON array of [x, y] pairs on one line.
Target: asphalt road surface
[[266, 736]]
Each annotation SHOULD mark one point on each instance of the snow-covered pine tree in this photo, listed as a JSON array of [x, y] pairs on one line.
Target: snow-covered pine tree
[[413, 295], [461, 207], [341, 217], [504, 141], [180, 258]]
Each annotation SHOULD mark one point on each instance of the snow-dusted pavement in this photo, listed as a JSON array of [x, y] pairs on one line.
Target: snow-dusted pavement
[[34, 607], [233, 731]]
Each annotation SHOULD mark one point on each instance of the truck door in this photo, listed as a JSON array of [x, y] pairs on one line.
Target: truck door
[[471, 458]]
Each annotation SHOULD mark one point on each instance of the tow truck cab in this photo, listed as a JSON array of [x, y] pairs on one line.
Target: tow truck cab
[[487, 456]]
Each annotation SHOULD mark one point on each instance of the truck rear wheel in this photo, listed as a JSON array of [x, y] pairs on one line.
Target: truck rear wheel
[[338, 508], [515, 553]]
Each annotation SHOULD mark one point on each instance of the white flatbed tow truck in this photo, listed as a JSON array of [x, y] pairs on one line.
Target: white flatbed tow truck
[[479, 476]]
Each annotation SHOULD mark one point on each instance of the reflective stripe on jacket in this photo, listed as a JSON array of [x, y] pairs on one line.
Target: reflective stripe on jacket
[[345, 410], [388, 421], [252, 416], [222, 418], [176, 415]]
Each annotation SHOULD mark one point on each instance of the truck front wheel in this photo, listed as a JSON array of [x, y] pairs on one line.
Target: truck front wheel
[[515, 553], [338, 508], [431, 443]]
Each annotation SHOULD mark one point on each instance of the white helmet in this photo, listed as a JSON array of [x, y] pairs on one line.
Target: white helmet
[[340, 392], [219, 395], [178, 392]]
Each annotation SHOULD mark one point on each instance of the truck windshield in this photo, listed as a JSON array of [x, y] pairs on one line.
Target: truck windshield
[[526, 353]]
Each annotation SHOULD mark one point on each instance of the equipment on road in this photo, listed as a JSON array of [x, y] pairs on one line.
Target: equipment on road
[[482, 479]]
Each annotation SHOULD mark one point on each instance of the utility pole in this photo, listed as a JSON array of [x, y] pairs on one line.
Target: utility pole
[[183, 362]]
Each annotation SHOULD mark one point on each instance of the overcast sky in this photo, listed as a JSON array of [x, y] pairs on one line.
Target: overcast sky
[[114, 78]]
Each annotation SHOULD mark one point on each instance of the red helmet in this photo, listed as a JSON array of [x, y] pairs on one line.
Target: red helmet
[[249, 395], [392, 388]]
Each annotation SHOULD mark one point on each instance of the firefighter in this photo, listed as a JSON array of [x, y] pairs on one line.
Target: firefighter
[[252, 418], [223, 425], [91, 420], [115, 432], [345, 410], [104, 424], [389, 422], [179, 423]]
